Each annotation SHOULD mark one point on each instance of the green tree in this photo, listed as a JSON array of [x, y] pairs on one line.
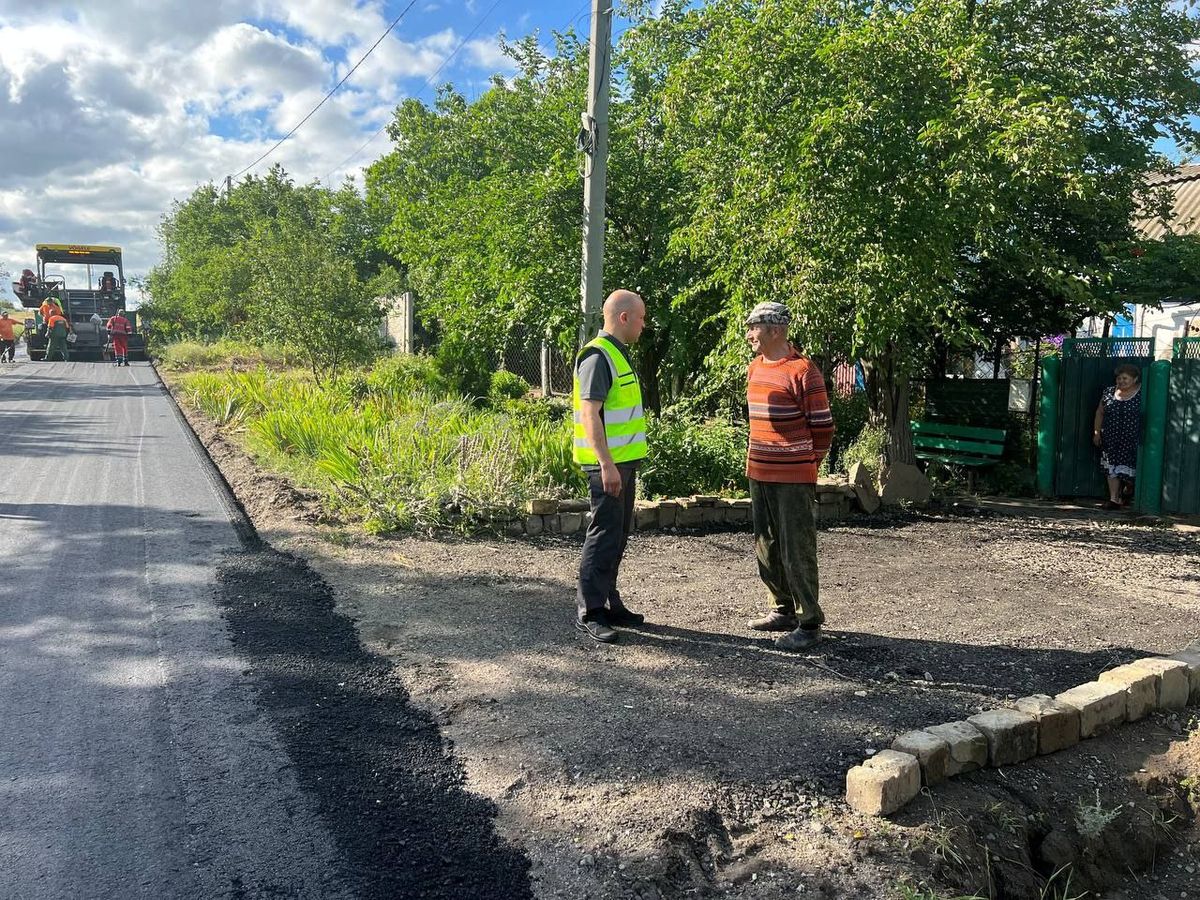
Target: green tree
[[487, 201], [309, 298], [214, 244], [884, 167]]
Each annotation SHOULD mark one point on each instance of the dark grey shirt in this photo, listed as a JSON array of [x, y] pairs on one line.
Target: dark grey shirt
[[595, 376], [596, 379]]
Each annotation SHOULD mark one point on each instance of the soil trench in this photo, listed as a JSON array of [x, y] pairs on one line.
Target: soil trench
[[693, 759]]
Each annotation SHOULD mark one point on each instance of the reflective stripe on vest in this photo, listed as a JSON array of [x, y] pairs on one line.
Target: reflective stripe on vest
[[624, 416]]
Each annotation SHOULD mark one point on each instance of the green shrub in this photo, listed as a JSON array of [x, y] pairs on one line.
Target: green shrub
[[693, 456], [849, 419], [868, 448], [507, 386], [407, 374], [465, 366]]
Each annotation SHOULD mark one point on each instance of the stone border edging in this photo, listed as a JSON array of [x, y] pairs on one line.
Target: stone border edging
[[1039, 725], [549, 516]]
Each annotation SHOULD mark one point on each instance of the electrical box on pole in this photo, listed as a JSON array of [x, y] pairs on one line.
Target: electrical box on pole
[[593, 141]]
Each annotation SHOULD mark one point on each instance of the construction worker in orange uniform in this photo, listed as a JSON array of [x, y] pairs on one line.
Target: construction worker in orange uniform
[[8, 337], [49, 308], [119, 329], [58, 328]]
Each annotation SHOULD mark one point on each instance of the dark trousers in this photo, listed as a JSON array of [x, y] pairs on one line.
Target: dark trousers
[[8, 349], [785, 542], [604, 545], [57, 348]]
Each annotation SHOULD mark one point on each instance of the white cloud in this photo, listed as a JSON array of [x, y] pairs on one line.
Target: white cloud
[[112, 109]]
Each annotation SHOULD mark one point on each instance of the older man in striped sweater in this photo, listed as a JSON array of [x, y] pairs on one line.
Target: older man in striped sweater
[[791, 428]]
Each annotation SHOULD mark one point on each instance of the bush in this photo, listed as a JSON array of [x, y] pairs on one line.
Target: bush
[[689, 455], [868, 448], [465, 366], [849, 419], [507, 386], [402, 375]]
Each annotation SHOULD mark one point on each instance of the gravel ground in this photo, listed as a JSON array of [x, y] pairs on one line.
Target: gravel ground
[[693, 759]]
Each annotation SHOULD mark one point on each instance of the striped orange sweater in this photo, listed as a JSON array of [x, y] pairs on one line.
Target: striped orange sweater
[[791, 426]]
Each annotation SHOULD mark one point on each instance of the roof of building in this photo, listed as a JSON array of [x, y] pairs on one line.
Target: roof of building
[[1185, 182]]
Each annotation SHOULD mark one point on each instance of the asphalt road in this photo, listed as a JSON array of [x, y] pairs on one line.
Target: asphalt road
[[136, 757]]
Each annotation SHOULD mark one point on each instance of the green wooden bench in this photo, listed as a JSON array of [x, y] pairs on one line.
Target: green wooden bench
[[959, 445]]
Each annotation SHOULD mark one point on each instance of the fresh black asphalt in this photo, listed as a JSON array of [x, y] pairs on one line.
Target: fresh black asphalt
[[183, 713]]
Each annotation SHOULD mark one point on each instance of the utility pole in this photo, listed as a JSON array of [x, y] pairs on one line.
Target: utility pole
[[593, 141], [228, 186]]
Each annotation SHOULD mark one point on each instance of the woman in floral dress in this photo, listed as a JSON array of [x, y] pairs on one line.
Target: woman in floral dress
[[1118, 432]]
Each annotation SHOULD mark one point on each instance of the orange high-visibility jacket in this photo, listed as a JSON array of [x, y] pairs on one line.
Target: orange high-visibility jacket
[[55, 319]]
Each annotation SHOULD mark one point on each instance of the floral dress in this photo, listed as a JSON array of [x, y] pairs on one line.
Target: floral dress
[[1120, 433]]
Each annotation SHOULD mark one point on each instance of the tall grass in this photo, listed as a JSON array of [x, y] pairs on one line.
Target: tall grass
[[186, 356], [389, 456]]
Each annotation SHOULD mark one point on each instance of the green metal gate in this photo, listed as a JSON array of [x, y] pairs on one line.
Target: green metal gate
[[1181, 467], [1086, 369]]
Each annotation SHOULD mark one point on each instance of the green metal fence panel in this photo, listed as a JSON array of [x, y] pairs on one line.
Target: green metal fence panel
[[1181, 462], [1047, 452], [1149, 482], [1086, 370]]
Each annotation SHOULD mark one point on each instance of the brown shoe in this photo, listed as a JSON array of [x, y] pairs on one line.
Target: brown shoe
[[800, 640], [775, 621]]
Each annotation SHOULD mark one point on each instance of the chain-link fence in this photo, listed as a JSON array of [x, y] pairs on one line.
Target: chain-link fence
[[539, 360]]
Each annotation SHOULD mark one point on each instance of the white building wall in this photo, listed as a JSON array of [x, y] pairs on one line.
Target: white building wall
[[1174, 320]]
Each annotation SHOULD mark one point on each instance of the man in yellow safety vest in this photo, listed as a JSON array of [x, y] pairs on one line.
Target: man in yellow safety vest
[[610, 442]]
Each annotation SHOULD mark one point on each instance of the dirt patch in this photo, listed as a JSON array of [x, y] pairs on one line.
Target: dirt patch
[[694, 760]]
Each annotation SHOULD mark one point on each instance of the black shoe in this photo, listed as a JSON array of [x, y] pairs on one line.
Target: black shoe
[[775, 621], [596, 627], [799, 640], [624, 618]]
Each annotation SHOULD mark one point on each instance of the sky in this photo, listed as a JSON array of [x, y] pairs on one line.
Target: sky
[[112, 109]]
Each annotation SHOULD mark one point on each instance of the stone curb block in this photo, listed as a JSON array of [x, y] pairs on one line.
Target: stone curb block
[[1141, 690], [931, 752], [1101, 706], [1012, 736], [833, 504], [1191, 658], [1039, 725], [1058, 724], [884, 783], [968, 746], [1173, 682]]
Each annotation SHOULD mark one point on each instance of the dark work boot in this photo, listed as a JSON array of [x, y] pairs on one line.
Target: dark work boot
[[622, 617], [775, 621], [596, 627], [800, 640]]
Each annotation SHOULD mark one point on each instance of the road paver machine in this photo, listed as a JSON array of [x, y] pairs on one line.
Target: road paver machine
[[88, 282]]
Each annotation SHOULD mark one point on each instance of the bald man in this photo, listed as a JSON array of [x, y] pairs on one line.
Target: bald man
[[610, 442]]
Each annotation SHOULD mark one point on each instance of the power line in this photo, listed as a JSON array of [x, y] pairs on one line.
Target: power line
[[429, 81], [279, 143]]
